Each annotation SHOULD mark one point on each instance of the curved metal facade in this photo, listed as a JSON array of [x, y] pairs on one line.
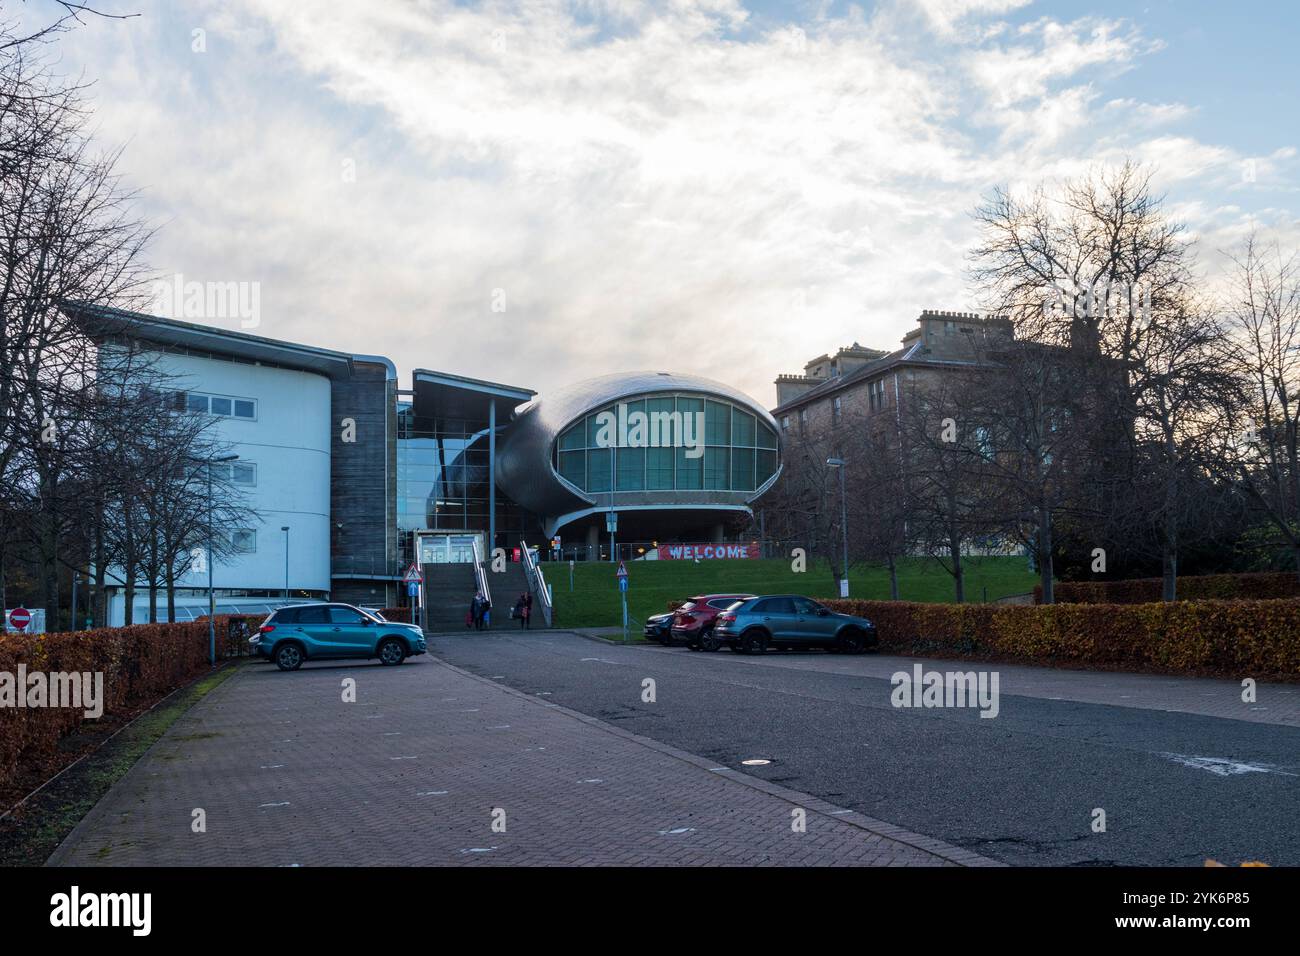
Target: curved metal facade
[[526, 456]]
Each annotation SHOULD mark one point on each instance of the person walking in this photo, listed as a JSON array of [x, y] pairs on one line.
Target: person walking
[[476, 611], [528, 609]]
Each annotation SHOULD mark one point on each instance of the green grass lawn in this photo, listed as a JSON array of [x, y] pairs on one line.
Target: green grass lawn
[[594, 600]]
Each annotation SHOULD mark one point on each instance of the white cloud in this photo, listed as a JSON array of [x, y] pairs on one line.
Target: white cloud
[[653, 185]]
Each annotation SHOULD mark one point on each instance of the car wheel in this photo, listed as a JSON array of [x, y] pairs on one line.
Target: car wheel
[[851, 642], [707, 641], [755, 642], [288, 657], [391, 651]]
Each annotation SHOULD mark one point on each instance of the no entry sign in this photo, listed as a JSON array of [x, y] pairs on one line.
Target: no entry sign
[[19, 618]]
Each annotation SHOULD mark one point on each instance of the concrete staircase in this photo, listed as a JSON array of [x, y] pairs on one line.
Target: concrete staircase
[[448, 589]]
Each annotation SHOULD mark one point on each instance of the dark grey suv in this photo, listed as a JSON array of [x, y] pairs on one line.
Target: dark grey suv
[[793, 621]]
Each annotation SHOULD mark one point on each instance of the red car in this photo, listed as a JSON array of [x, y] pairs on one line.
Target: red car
[[693, 621]]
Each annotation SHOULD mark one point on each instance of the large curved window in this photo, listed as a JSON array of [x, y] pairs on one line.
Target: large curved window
[[667, 443]]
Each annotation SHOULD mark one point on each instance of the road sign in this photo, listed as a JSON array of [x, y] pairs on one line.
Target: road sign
[[622, 570], [412, 588], [19, 618], [611, 521], [622, 583], [413, 573]]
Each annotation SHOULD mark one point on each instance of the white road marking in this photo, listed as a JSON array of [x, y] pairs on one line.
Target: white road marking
[[272, 766], [479, 849], [285, 804], [1224, 768], [433, 793], [676, 831]]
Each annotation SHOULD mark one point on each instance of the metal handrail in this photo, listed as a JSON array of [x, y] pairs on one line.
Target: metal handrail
[[480, 573], [537, 581]]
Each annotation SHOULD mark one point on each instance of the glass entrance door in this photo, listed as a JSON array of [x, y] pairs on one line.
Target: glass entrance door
[[448, 548]]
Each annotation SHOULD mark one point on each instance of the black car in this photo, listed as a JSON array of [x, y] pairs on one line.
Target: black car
[[659, 627]]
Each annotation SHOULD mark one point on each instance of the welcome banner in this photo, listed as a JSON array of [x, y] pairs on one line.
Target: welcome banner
[[706, 552]]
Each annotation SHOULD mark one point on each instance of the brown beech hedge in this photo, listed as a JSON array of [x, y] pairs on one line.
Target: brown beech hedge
[[1207, 587], [1232, 638], [141, 664]]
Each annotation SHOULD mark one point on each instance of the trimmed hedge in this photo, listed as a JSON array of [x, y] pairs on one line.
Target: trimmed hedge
[[1231, 638], [140, 664], [1255, 586]]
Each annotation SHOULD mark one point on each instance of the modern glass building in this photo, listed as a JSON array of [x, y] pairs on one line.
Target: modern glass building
[[676, 457], [369, 476]]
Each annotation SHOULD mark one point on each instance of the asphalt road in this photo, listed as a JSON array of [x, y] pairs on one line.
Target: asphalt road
[[1021, 788]]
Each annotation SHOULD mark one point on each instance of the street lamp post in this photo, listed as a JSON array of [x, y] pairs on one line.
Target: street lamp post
[[212, 601], [285, 529], [838, 464]]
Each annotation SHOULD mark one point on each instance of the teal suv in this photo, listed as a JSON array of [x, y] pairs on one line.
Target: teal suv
[[309, 632], [791, 621]]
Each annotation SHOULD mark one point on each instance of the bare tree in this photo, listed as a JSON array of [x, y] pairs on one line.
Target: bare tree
[[1264, 312]]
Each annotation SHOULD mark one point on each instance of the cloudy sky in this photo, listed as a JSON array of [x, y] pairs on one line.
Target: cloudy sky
[[715, 186]]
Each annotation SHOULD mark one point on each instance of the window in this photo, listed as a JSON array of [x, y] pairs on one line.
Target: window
[[785, 423], [346, 615], [876, 393], [803, 419], [805, 606], [286, 616], [723, 603], [242, 473], [776, 605], [314, 614], [836, 408], [739, 452], [716, 467], [223, 406], [243, 541], [659, 469]]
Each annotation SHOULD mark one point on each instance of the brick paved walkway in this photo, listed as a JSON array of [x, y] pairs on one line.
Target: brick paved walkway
[[289, 774]]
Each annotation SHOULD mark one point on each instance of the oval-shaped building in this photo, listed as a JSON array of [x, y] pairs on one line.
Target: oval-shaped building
[[675, 456]]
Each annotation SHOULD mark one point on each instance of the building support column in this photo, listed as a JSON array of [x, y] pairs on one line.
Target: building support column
[[492, 477], [593, 542]]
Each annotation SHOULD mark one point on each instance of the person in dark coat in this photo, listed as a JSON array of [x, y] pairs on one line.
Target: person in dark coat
[[476, 611]]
